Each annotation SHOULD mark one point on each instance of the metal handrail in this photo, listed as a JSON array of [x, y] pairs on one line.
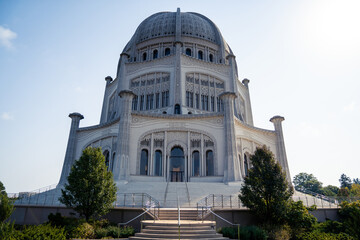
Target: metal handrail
[[119, 224], [234, 224]]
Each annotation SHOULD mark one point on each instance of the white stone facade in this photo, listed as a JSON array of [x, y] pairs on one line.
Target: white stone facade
[[176, 111]]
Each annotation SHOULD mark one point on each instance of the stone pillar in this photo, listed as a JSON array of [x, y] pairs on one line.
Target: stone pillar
[[280, 145], [121, 168], [122, 83], [231, 163], [105, 105], [248, 110], [71, 147]]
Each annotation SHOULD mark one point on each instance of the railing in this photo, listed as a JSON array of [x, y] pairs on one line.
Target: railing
[[140, 200], [178, 206], [31, 193], [233, 224]]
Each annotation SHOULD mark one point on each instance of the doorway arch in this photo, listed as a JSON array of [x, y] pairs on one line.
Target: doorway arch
[[177, 164]]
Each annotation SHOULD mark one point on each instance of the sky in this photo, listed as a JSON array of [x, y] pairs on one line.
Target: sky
[[302, 59]]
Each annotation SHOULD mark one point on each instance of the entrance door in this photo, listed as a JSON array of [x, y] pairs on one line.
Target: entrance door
[[177, 165]]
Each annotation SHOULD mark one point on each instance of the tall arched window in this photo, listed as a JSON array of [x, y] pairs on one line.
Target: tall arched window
[[211, 58], [113, 162], [209, 163], [155, 54], [200, 55], [144, 160], [144, 56], [246, 165], [196, 164], [177, 109], [188, 51], [167, 51], [107, 161], [158, 163]]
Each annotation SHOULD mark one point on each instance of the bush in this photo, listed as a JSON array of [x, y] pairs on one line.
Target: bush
[[43, 232], [101, 232], [8, 231], [278, 232], [84, 230], [325, 236], [246, 232], [124, 232], [330, 227], [350, 215]]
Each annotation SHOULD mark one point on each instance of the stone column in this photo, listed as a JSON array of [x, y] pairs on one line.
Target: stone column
[[231, 162], [122, 83], [121, 168], [280, 145], [105, 105], [248, 113], [71, 147]]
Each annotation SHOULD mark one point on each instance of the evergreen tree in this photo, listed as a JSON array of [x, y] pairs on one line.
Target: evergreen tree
[[6, 205], [345, 181], [265, 191], [90, 189]]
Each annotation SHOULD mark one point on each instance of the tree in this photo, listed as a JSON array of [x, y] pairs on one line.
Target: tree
[[299, 218], [345, 181], [265, 191], [308, 182], [356, 180], [350, 215], [90, 189], [330, 190], [6, 205]]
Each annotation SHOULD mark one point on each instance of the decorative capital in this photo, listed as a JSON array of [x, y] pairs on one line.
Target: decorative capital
[[124, 93], [230, 56], [231, 95], [76, 115], [108, 79], [246, 81], [178, 42], [276, 119], [124, 54]]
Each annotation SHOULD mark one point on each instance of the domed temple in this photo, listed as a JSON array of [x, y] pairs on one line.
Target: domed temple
[[176, 112]]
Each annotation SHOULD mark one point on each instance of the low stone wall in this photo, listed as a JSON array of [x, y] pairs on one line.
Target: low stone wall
[[39, 214], [33, 215]]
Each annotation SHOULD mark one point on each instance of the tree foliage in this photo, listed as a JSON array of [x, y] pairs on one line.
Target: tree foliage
[[345, 181], [308, 182], [266, 191], [350, 215], [330, 190], [90, 189], [6, 205]]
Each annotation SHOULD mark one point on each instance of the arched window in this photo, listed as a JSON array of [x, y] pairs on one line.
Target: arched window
[[155, 54], [209, 163], [107, 160], [211, 58], [246, 165], [158, 163], [167, 51], [200, 55], [144, 56], [188, 51], [195, 164], [144, 160], [177, 109], [113, 162]]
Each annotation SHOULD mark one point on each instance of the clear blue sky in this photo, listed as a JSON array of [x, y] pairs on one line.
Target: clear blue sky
[[302, 59]]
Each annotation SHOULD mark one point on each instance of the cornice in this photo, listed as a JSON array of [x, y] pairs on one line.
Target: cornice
[[242, 124], [177, 116], [100, 126]]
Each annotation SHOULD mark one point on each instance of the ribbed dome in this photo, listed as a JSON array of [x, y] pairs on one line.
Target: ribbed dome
[[164, 24]]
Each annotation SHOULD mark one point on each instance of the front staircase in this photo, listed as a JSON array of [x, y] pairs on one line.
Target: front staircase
[[167, 227]]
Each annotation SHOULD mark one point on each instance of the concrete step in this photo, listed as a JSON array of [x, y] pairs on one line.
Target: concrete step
[[145, 238], [185, 231], [176, 235]]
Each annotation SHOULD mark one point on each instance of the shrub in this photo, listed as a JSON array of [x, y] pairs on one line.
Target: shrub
[[124, 232], [101, 232], [8, 231], [278, 232], [325, 236], [84, 230], [330, 227], [43, 232], [350, 214], [246, 233]]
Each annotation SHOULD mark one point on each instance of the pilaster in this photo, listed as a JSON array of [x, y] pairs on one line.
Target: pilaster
[[231, 162], [280, 145], [71, 146], [105, 105], [121, 168]]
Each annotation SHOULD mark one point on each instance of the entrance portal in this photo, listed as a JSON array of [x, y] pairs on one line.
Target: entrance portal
[[177, 165]]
